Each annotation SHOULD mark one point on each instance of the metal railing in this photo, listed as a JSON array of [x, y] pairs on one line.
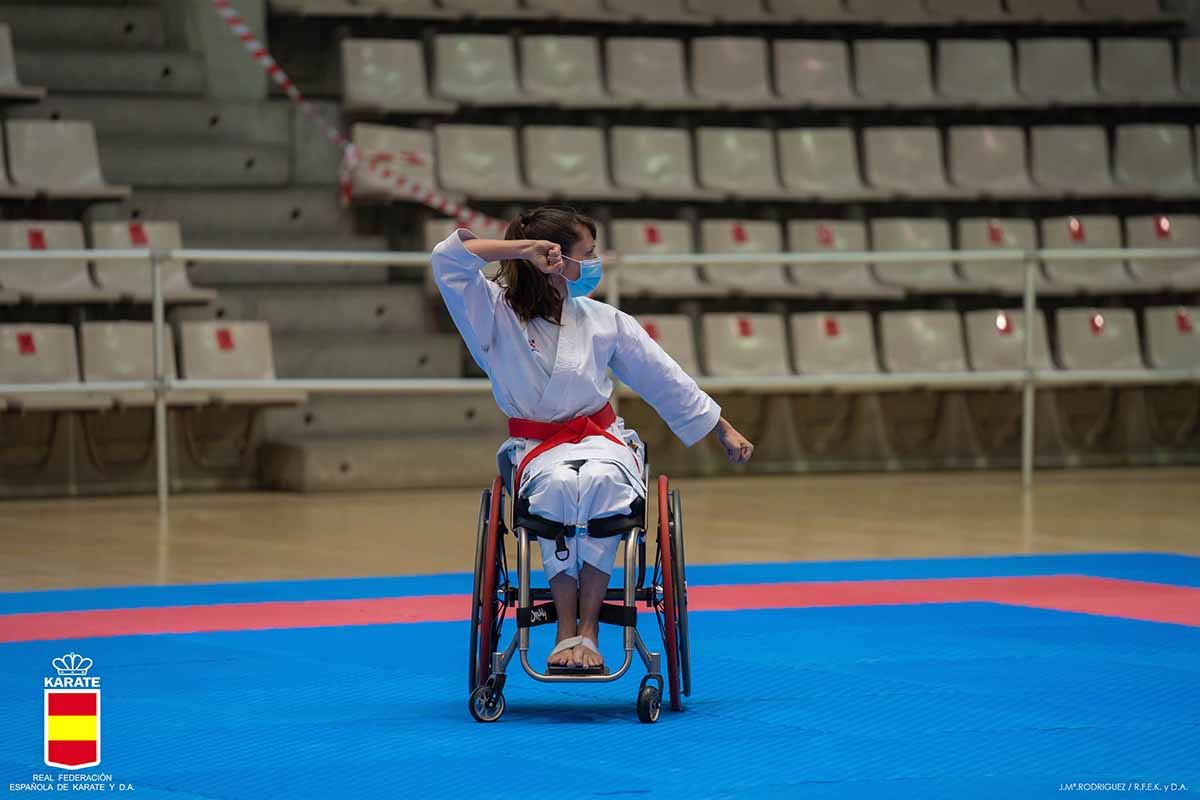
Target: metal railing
[[1027, 378]]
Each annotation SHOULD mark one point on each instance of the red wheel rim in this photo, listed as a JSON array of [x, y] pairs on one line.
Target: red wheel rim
[[664, 549], [487, 615]]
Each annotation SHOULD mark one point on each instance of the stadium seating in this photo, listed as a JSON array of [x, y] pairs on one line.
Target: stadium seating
[[1098, 338], [1155, 160], [739, 162], [58, 159], [1173, 337], [1056, 71], [906, 161], [661, 11], [569, 162], [656, 162], [480, 161], [631, 59], [1047, 10], [916, 235], [813, 72], [822, 163], [564, 70], [232, 350], [892, 12], [386, 153], [387, 75], [840, 279], [124, 351], [1138, 71], [673, 333], [990, 160], [833, 343], [996, 340], [1162, 231], [977, 72], [55, 280], [11, 88], [746, 237], [810, 10], [131, 277], [1007, 277], [967, 11], [744, 345], [1071, 160], [894, 72], [659, 237], [32, 353], [732, 71], [480, 69], [1189, 68], [1090, 231]]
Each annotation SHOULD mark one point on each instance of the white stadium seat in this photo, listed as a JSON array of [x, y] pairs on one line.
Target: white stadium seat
[[851, 279], [810, 10], [813, 71], [894, 72], [564, 70], [743, 345], [894, 12], [922, 341], [1085, 232], [673, 333], [480, 161], [996, 340], [56, 280], [833, 343], [59, 159], [906, 161], [42, 354], [131, 277], [739, 161], [476, 68], [1173, 337], [569, 162], [661, 11], [124, 351], [989, 233], [631, 59], [387, 75], [1155, 159], [386, 153], [1098, 338], [990, 160], [966, 11], [232, 350], [748, 237], [732, 71], [655, 161], [1046, 10], [1165, 231], [1071, 160], [1138, 71], [977, 72], [822, 163], [1056, 70], [659, 237], [915, 236]]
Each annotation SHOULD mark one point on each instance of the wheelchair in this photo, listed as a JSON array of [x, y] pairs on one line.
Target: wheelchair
[[494, 593]]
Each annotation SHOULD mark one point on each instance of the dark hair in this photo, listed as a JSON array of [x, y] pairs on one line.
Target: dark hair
[[528, 290]]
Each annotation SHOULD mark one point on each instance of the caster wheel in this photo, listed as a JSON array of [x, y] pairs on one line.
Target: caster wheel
[[649, 703], [487, 704]]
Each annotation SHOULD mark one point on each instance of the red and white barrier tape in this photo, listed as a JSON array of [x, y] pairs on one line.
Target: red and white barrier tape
[[351, 158]]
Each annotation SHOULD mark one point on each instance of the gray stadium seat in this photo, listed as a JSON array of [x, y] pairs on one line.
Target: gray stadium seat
[[977, 72], [726, 11], [915, 236], [732, 71], [1056, 70], [968, 10], [1071, 160], [894, 72], [586, 10], [631, 59], [1085, 232], [996, 340], [655, 161], [39, 354], [659, 237], [744, 345], [1139, 71], [833, 343], [124, 351], [387, 75], [570, 162], [922, 341], [822, 163], [814, 72], [990, 160], [1162, 231], [1173, 337], [11, 87], [393, 152], [739, 161], [664, 11], [1189, 67], [749, 237], [492, 9], [1098, 338], [58, 159], [1046, 10], [131, 277], [894, 12], [1155, 159], [673, 333], [1125, 10], [834, 280], [48, 281], [232, 350], [906, 161], [564, 70], [810, 10], [982, 233], [480, 161], [477, 68]]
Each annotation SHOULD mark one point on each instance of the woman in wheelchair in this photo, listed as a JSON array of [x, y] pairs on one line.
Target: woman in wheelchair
[[547, 348]]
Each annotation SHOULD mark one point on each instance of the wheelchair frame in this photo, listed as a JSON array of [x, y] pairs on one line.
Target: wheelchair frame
[[493, 594]]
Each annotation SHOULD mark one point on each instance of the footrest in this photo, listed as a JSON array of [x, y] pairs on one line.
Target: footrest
[[556, 670]]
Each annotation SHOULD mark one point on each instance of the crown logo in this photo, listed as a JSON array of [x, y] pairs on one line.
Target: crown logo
[[72, 664]]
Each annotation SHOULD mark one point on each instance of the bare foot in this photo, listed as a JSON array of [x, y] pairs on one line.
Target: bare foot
[[585, 656], [564, 657]]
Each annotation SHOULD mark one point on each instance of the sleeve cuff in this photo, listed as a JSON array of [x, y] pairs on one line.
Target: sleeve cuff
[[700, 427]]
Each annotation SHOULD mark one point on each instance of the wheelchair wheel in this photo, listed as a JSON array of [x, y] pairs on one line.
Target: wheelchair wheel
[[669, 619], [680, 583], [487, 613]]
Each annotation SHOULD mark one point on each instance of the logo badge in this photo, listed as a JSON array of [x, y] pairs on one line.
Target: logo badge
[[72, 722]]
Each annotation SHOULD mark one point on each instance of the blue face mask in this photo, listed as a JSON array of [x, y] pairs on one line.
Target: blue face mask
[[590, 273]]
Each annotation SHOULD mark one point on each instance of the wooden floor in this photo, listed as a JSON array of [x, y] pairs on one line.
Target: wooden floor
[[266, 536]]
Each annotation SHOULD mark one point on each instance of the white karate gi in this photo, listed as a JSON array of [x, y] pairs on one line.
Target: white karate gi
[[551, 373]]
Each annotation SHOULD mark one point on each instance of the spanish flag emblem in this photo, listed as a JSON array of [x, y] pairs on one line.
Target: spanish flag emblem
[[72, 728]]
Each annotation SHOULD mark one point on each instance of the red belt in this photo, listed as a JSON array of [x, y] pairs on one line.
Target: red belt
[[553, 434]]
